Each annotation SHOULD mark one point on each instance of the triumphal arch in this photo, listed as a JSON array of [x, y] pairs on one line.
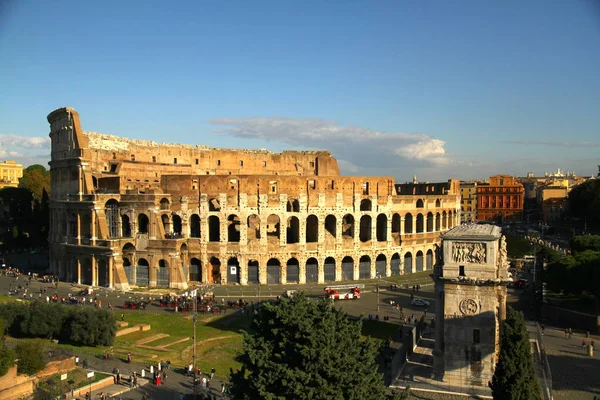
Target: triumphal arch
[[135, 212], [470, 290]]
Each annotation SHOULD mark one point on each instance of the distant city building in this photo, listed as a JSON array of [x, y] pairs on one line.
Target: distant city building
[[500, 200], [468, 203], [10, 172]]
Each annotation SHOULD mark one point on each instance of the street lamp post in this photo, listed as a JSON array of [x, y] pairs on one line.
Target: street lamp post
[[378, 279]]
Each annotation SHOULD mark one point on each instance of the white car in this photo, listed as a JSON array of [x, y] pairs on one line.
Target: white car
[[419, 302]]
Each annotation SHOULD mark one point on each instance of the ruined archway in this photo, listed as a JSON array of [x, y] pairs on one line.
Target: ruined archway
[[381, 228], [430, 222], [195, 270], [142, 272], [125, 226], [273, 227], [292, 271], [233, 228], [408, 263], [293, 230], [142, 223], [162, 273], [273, 272], [312, 270], [429, 260], [166, 224], [408, 223], [253, 231], [329, 269], [348, 226], [111, 211], [438, 224], [214, 229], [293, 205], [103, 273], [312, 229], [331, 226], [177, 225], [215, 269], [419, 262], [365, 228], [420, 203], [233, 270], [364, 267], [395, 264], [347, 268], [253, 277], [195, 226], [380, 264], [420, 223], [365, 205]]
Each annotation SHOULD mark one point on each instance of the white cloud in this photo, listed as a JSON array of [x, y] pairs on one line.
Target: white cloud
[[353, 146], [25, 149]]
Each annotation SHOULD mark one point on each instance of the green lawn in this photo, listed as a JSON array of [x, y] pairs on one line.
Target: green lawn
[[518, 247]]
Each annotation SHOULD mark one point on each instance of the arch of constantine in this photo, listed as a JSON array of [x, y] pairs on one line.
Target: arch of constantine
[[132, 212]]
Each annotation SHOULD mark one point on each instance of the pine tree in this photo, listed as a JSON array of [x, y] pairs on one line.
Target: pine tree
[[514, 377], [304, 349]]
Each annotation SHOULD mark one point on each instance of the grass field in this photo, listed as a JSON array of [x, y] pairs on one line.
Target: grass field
[[76, 379]]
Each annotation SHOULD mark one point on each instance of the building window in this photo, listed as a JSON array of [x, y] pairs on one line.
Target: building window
[[153, 158], [174, 161], [312, 164], [219, 163], [133, 157], [114, 156], [311, 184], [476, 336], [241, 163], [365, 188], [461, 270], [264, 164], [196, 161]]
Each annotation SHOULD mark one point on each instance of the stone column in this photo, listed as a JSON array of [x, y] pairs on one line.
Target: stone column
[[321, 270], [301, 271], [243, 260], [111, 266], [93, 227], [78, 238], [402, 221], [94, 271]]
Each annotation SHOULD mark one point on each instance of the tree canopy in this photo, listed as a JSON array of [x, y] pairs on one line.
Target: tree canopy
[[578, 272], [584, 203], [36, 179], [305, 349], [514, 377]]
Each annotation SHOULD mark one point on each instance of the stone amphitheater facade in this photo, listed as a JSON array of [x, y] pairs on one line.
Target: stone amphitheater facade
[[132, 212]]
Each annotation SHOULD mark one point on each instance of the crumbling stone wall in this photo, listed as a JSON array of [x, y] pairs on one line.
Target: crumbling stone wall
[[137, 212]]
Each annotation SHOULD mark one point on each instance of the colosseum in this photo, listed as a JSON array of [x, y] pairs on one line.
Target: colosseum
[[137, 213]]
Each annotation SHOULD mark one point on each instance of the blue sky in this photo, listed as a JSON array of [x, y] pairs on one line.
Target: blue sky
[[438, 89]]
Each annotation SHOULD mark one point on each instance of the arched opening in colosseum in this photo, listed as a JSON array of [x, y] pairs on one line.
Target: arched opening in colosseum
[[195, 226], [408, 263], [125, 226], [162, 273], [348, 227], [381, 228], [395, 224], [365, 228], [142, 272], [233, 228], [293, 205], [429, 260], [438, 222], [214, 229], [293, 230], [95, 182], [166, 224], [329, 269], [347, 268], [364, 267], [420, 203], [215, 269], [419, 261], [273, 228], [253, 231], [142, 223], [164, 203], [438, 203], [312, 229], [312, 270], [253, 272], [450, 219], [85, 228], [330, 227], [177, 225], [233, 270], [111, 210], [380, 264], [444, 220], [365, 205], [103, 273], [86, 271], [395, 264], [292, 271], [195, 270], [273, 271], [408, 223], [214, 205], [129, 270], [430, 222], [420, 223]]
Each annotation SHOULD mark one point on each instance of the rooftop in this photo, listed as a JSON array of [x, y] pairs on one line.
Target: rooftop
[[474, 231]]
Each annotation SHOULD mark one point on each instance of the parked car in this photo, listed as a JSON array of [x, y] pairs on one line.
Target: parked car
[[517, 283], [419, 302]]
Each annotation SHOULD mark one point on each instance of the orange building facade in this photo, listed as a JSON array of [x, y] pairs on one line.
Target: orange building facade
[[500, 200]]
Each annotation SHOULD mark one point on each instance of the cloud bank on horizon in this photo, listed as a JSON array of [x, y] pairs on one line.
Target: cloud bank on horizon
[[354, 147], [26, 150]]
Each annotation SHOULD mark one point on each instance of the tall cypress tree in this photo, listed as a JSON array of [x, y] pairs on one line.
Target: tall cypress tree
[[304, 349], [514, 377]]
